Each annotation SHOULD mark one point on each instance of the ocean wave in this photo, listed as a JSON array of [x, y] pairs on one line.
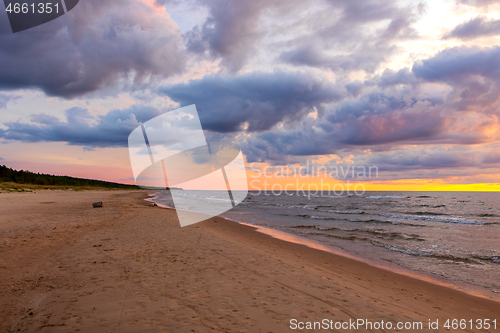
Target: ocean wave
[[348, 212], [425, 213], [308, 216], [322, 228], [425, 253], [350, 238], [324, 196], [370, 221], [386, 222], [218, 199], [387, 197], [357, 234], [317, 227], [459, 220], [439, 206], [473, 259], [495, 259], [488, 215]]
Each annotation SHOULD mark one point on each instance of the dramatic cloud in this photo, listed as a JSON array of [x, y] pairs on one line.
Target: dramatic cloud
[[435, 162], [347, 43], [312, 55], [459, 62], [294, 80], [427, 159], [232, 32], [354, 88], [473, 72], [4, 99], [372, 120], [110, 130], [411, 115], [379, 119], [492, 159], [448, 162], [232, 29], [256, 101], [97, 44], [391, 78], [477, 27]]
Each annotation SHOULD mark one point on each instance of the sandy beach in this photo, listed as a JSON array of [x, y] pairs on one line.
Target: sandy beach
[[130, 267]]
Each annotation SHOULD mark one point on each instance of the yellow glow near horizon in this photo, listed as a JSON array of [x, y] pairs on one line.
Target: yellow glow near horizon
[[333, 185], [266, 178]]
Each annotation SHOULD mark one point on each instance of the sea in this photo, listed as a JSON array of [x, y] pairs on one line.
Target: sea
[[450, 238]]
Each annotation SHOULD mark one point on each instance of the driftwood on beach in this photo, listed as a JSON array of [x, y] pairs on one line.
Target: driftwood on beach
[[97, 204]]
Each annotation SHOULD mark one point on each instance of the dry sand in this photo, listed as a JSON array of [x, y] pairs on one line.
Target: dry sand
[[129, 267]]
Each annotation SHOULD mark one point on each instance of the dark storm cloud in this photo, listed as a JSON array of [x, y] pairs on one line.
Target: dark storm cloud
[[392, 78], [354, 88], [378, 119], [477, 27], [459, 63], [472, 72], [97, 44], [370, 121], [260, 100], [110, 130]]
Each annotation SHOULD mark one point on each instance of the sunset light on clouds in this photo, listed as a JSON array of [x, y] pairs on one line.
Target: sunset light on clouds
[[411, 87]]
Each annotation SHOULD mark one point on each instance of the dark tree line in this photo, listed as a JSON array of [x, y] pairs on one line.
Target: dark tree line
[[26, 177]]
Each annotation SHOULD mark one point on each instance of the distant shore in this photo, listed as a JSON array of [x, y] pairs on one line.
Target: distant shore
[[130, 267]]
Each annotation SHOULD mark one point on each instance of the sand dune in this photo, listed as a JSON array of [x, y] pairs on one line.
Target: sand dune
[[129, 267]]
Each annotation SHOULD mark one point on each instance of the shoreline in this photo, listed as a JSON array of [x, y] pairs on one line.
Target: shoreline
[[422, 276], [130, 267], [470, 289]]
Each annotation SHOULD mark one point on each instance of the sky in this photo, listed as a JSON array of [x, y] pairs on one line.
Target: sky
[[409, 87]]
